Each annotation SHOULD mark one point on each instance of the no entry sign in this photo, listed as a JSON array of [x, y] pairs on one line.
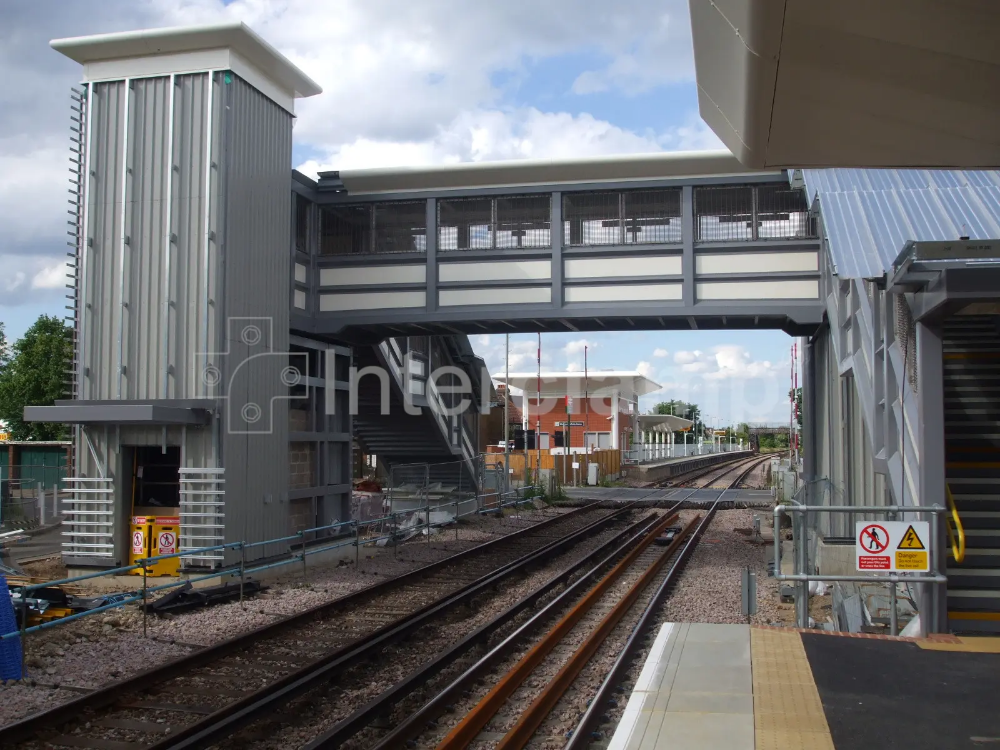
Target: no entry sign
[[893, 546]]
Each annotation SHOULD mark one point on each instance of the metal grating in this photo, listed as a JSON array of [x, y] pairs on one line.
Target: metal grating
[[203, 516], [77, 161], [622, 218], [345, 230], [89, 517], [503, 223], [383, 228], [906, 337], [301, 224], [400, 227], [782, 213], [745, 213], [724, 214]]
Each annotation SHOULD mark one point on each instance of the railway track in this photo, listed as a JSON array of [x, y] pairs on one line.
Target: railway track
[[729, 475], [513, 693], [203, 697]]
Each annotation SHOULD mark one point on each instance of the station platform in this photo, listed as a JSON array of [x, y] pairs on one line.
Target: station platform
[[708, 687], [665, 468]]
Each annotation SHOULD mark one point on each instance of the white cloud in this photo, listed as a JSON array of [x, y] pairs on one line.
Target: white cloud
[[483, 339], [685, 358], [52, 277], [577, 347], [645, 369], [660, 352]]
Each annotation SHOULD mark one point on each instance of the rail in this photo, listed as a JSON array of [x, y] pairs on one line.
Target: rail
[[956, 532]]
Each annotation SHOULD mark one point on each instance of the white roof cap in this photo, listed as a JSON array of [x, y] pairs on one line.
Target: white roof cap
[[185, 49], [629, 384], [620, 167]]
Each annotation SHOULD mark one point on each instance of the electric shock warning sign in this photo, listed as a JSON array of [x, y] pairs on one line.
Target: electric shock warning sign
[[893, 546]]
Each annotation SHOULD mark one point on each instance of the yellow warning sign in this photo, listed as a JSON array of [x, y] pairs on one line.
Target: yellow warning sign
[[911, 560], [911, 540]]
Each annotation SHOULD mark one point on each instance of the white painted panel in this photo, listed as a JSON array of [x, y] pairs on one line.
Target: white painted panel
[[453, 297], [624, 293], [300, 273], [373, 275], [300, 299], [651, 265], [708, 263], [371, 301], [510, 270], [762, 290]]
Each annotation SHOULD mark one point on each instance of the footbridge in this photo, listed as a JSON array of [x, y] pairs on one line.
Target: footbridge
[[686, 240]]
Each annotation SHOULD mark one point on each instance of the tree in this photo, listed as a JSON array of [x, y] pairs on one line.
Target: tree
[[4, 352], [34, 374]]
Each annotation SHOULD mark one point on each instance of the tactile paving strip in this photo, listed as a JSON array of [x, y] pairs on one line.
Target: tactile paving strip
[[788, 713]]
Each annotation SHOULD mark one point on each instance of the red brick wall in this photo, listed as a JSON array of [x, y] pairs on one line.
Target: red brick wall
[[599, 419]]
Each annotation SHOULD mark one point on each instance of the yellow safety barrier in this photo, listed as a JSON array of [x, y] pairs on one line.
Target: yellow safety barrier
[[955, 528], [153, 536]]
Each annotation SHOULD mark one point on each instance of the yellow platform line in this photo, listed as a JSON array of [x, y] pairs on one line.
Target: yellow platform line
[[787, 711], [972, 645]]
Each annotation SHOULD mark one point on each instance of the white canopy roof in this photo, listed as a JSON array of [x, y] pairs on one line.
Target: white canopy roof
[[630, 384], [663, 423]]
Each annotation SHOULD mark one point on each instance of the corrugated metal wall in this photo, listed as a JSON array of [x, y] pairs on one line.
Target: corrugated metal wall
[[257, 138]]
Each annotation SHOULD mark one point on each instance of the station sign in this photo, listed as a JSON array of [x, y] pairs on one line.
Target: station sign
[[893, 546], [569, 424]]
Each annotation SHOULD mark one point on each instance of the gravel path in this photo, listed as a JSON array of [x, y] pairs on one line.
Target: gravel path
[[98, 650]]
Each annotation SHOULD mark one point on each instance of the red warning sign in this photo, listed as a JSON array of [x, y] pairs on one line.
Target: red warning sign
[[874, 562], [873, 539], [167, 543], [137, 542]]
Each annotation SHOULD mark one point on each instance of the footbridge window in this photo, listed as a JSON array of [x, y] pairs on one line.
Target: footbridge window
[[501, 223], [736, 213], [379, 228], [623, 217]]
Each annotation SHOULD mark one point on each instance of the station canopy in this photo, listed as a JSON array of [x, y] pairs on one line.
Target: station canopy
[[629, 384], [663, 423]]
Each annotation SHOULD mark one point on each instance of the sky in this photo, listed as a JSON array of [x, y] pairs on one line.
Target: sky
[[410, 83]]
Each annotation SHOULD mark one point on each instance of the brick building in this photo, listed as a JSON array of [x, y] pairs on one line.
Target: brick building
[[602, 411]]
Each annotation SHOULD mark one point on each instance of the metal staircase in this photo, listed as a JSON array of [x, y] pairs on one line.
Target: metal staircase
[[972, 455], [404, 440]]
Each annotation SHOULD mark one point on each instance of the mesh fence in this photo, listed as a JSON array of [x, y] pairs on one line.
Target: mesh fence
[[506, 222], [622, 218], [906, 336], [746, 212], [384, 228]]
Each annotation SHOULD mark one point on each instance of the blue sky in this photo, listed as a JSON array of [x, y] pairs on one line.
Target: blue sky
[[410, 83]]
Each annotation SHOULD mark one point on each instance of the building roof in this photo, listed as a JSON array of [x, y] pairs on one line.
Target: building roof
[[800, 83], [630, 384], [663, 423], [870, 214], [151, 44], [675, 164]]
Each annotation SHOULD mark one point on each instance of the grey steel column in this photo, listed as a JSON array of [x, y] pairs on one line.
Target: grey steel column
[[432, 268], [930, 408], [687, 238], [556, 240], [810, 466]]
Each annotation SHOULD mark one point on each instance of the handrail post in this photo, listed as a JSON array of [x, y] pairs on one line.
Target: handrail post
[[395, 534], [145, 609], [302, 536], [893, 622], [243, 571], [357, 545]]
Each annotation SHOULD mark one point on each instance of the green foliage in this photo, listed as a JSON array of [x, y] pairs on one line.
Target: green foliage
[[773, 442], [33, 373]]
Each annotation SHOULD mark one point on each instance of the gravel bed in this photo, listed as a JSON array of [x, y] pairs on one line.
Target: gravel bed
[[322, 709], [98, 650]]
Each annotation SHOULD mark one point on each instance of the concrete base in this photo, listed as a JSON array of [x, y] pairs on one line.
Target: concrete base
[[835, 559], [671, 467]]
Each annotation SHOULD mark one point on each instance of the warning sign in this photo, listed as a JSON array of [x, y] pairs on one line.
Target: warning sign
[[167, 543], [137, 542], [893, 546]]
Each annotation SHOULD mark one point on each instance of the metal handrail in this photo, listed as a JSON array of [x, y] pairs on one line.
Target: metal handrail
[[955, 528]]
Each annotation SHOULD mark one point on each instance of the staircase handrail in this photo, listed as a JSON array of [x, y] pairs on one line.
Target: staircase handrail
[[955, 528]]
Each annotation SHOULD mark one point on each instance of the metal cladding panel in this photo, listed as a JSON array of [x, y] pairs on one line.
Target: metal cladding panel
[[194, 266], [103, 241], [869, 214], [257, 143], [146, 227]]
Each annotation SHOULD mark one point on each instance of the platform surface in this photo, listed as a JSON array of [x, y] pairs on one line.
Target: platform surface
[[630, 494], [705, 687]]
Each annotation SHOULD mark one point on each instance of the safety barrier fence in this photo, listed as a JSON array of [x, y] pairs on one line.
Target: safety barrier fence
[[801, 516], [488, 503]]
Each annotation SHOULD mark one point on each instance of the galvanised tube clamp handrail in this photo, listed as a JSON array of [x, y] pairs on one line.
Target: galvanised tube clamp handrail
[[933, 577]]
